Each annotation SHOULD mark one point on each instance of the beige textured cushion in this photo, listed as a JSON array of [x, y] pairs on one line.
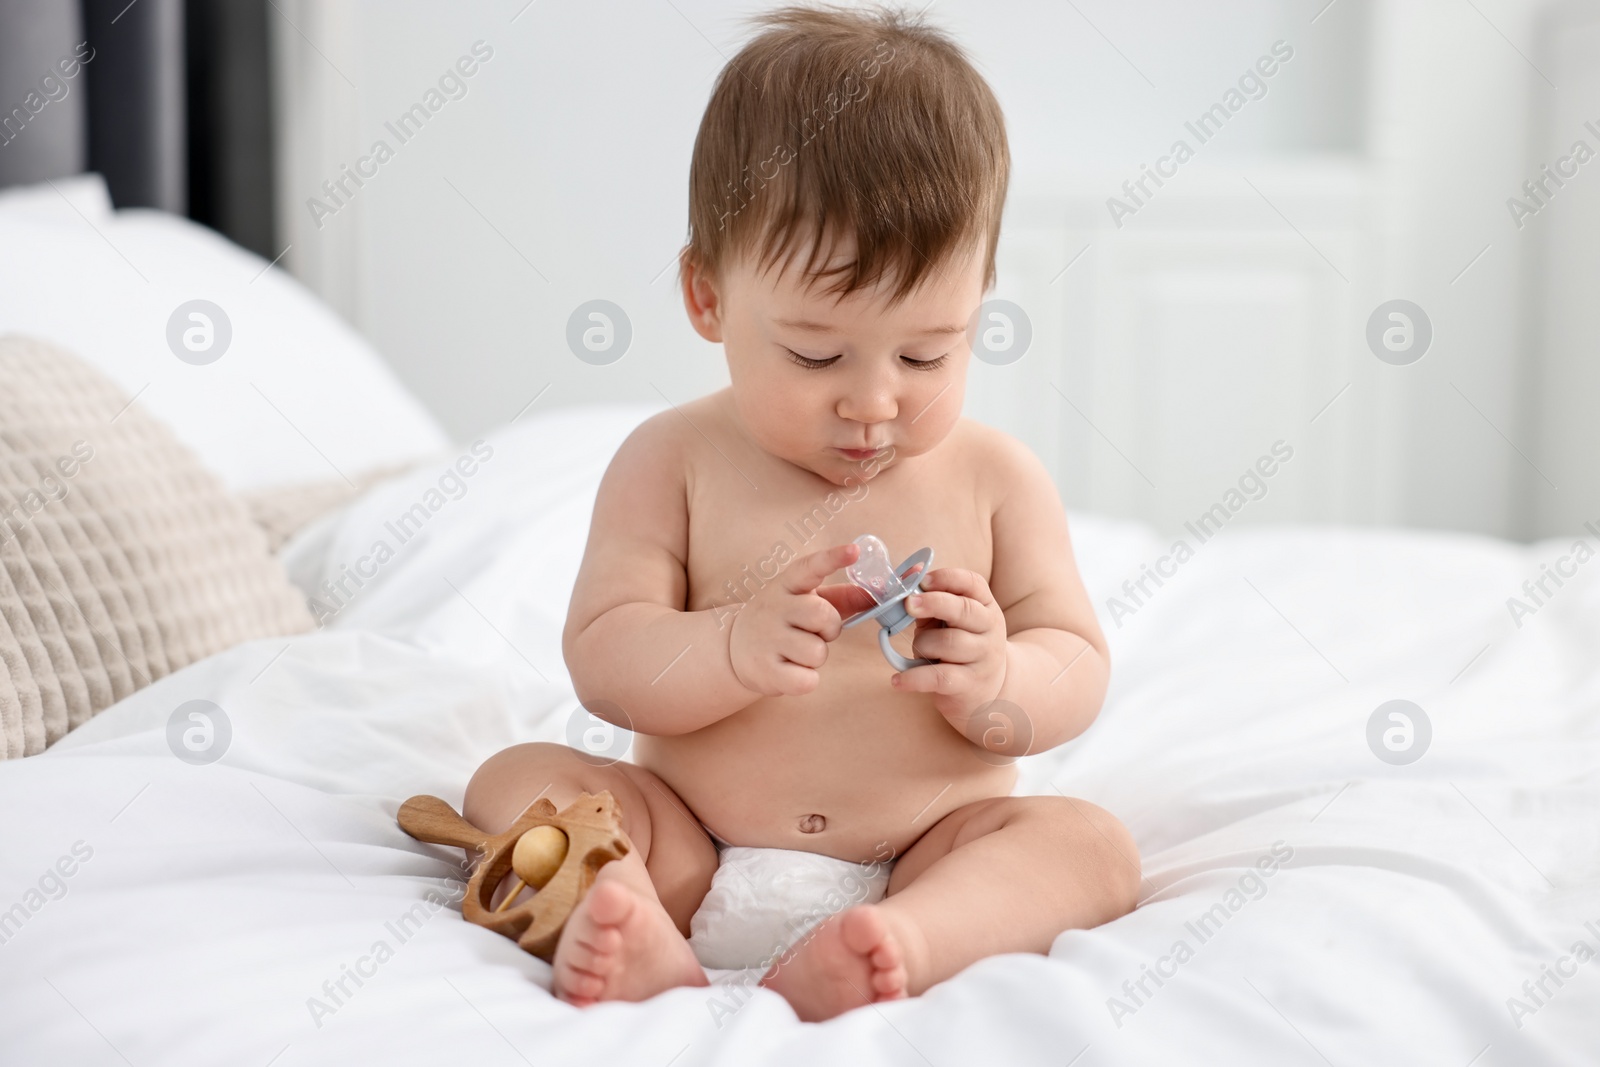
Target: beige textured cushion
[[122, 559], [283, 511]]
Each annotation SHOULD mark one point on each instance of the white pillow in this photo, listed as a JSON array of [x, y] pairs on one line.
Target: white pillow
[[84, 192], [298, 395]]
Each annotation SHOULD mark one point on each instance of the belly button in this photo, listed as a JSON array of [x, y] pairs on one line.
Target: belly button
[[812, 824]]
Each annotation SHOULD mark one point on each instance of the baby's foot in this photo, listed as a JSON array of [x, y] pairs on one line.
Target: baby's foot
[[849, 960], [620, 945]]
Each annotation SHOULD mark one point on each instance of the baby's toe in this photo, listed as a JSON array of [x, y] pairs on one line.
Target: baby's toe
[[599, 941], [581, 985], [863, 931], [585, 959], [890, 983], [609, 905]]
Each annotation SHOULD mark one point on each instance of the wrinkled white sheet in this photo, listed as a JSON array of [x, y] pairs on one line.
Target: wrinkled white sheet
[[217, 900]]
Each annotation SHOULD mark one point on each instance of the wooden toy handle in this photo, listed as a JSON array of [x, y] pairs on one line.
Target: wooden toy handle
[[431, 819]]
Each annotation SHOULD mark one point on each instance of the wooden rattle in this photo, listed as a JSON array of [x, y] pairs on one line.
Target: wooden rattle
[[563, 852]]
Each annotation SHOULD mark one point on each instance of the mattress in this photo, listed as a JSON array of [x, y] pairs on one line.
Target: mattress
[[1323, 882]]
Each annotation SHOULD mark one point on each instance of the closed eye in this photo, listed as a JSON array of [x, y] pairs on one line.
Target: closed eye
[[809, 363], [817, 364]]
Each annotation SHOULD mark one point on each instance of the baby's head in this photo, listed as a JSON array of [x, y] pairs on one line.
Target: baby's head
[[844, 206]]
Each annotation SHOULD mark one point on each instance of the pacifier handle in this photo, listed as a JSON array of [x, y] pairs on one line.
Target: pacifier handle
[[896, 660]]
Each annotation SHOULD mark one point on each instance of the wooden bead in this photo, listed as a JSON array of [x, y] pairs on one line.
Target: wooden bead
[[538, 855]]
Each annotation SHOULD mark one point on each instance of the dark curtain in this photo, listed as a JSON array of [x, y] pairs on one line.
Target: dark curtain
[[174, 106], [137, 128], [42, 112], [230, 120]]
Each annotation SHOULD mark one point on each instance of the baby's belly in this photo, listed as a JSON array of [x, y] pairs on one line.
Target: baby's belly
[[849, 770]]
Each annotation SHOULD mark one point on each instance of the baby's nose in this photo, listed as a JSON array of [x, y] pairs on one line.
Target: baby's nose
[[871, 405]]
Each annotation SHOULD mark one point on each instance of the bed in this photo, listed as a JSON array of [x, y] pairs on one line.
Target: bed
[[1323, 882]]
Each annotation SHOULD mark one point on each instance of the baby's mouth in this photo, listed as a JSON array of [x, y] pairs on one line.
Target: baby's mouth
[[858, 453]]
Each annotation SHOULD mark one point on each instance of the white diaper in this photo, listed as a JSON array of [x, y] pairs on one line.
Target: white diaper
[[763, 900]]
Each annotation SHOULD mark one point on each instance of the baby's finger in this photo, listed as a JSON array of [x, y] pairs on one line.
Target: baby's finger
[[846, 599], [953, 609], [944, 678], [960, 581], [949, 644], [794, 680], [806, 573], [814, 614], [805, 649]]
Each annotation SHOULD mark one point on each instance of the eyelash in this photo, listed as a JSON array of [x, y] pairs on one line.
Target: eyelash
[[818, 364]]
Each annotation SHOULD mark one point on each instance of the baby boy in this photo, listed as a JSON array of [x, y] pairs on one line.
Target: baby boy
[[845, 200]]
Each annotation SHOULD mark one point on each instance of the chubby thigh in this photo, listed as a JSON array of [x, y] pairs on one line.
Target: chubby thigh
[[1009, 875], [674, 848]]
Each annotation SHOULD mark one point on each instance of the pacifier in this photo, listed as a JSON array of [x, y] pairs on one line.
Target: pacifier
[[888, 586]]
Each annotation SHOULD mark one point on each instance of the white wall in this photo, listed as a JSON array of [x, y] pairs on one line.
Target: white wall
[[1220, 318]]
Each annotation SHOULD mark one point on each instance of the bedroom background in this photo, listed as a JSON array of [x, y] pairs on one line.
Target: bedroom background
[[224, 667], [1177, 331]]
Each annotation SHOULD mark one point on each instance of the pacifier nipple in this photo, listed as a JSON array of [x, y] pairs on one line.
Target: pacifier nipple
[[874, 571]]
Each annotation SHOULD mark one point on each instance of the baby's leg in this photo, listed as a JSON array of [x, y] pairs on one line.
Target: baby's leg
[[626, 938], [1001, 875]]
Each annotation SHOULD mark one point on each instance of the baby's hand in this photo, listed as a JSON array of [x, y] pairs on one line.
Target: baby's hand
[[959, 624], [780, 637]]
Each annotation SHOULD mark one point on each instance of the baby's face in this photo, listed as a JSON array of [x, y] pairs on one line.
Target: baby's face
[[830, 384]]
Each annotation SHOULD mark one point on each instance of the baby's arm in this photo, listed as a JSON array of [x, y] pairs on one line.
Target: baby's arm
[[629, 640], [1037, 643], [1058, 665]]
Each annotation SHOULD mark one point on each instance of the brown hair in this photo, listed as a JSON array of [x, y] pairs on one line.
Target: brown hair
[[838, 122]]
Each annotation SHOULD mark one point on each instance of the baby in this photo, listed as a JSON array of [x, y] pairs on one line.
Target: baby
[[845, 200]]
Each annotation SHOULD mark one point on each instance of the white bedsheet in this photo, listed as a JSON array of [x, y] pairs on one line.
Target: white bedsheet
[[218, 899]]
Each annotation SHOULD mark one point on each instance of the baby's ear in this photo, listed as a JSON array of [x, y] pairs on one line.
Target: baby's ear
[[701, 299]]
